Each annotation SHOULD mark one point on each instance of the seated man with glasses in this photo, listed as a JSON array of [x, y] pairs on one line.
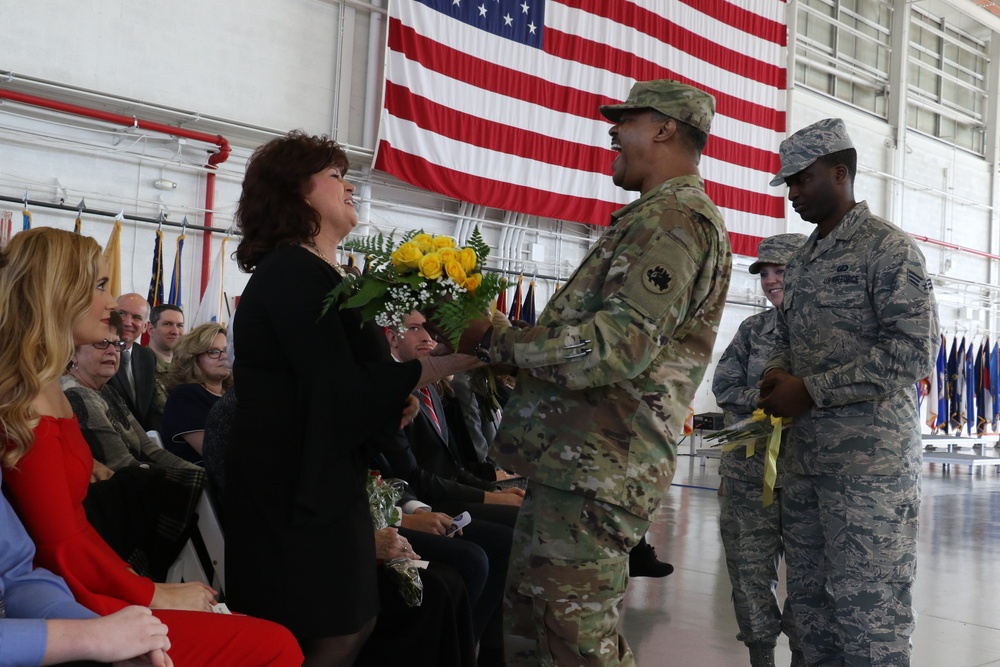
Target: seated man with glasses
[[199, 375], [135, 379]]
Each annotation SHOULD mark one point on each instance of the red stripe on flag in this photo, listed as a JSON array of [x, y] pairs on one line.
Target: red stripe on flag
[[744, 244], [742, 19], [484, 133], [488, 192], [663, 30], [734, 152], [727, 196], [628, 64]]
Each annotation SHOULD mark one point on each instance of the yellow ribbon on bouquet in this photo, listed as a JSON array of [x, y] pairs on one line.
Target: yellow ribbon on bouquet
[[771, 453], [771, 457]]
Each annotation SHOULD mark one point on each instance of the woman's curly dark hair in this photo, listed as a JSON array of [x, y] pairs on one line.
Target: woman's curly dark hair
[[272, 208]]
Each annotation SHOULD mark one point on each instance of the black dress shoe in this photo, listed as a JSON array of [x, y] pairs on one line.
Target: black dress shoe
[[642, 562]]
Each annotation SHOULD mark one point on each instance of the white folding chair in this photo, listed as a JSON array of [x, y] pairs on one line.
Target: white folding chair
[[204, 552], [187, 567], [210, 531]]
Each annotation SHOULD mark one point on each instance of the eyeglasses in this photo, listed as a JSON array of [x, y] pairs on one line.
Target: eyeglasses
[[139, 319], [215, 353], [104, 344]]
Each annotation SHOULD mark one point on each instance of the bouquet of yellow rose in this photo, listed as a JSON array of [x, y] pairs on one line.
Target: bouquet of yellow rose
[[424, 272]]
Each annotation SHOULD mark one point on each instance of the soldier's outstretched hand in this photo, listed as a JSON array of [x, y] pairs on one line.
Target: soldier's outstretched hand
[[783, 394]]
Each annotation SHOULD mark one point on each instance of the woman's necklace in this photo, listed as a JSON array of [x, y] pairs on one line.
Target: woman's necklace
[[336, 267], [214, 389]]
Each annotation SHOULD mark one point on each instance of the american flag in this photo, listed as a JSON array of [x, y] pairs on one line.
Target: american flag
[[494, 102]]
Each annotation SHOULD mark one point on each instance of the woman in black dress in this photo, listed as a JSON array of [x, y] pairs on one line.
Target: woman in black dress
[[315, 396]]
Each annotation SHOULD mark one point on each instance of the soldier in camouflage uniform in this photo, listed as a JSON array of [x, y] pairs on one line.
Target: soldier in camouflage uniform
[[857, 327], [604, 381], [751, 533]]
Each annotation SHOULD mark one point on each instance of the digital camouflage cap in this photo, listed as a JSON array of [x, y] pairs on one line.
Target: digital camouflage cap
[[672, 98], [810, 143], [777, 249]]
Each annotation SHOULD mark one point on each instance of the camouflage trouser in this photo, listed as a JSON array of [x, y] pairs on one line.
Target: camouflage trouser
[[751, 535], [851, 554], [568, 573]]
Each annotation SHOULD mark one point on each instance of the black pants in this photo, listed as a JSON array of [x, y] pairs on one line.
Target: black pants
[[436, 634]]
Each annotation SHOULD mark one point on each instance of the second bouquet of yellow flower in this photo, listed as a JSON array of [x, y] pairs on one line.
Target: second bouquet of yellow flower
[[424, 272]]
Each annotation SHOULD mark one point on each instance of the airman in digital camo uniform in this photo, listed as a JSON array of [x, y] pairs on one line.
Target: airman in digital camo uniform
[[751, 532], [857, 328]]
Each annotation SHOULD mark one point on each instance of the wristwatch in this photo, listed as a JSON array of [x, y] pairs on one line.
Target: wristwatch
[[483, 349]]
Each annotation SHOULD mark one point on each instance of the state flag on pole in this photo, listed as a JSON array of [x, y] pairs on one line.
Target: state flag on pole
[[995, 383], [25, 214], [496, 103], [515, 301], [113, 257], [987, 415], [501, 304], [980, 392], [528, 307], [174, 296], [941, 390], [969, 407], [955, 387], [155, 295], [213, 307]]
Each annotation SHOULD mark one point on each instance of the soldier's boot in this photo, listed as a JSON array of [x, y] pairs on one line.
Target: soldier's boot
[[642, 562], [761, 655], [798, 660]]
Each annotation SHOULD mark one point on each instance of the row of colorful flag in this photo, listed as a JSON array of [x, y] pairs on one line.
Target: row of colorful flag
[[520, 309], [964, 393], [213, 303]]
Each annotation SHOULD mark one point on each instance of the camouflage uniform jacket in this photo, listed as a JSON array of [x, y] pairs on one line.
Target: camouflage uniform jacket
[[160, 389], [735, 387], [859, 325], [648, 298]]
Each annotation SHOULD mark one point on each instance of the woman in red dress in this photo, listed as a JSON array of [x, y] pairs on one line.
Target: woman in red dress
[[53, 296]]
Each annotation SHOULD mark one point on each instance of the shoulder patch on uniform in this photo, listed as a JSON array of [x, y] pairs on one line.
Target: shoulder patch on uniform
[[656, 279]]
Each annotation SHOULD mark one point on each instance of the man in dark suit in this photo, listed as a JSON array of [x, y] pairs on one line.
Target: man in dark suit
[[136, 376], [425, 454]]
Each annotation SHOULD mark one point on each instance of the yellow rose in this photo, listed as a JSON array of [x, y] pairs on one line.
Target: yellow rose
[[425, 242], [473, 282], [467, 258], [455, 271], [448, 255], [407, 256], [444, 242], [431, 266]]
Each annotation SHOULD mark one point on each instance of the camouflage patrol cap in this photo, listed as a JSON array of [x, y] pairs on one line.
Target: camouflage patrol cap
[[672, 98], [777, 249], [804, 147]]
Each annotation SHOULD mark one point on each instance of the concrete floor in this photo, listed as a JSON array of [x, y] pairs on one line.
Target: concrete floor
[[687, 620]]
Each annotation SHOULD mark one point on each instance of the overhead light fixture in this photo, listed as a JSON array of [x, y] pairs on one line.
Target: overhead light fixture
[[164, 184]]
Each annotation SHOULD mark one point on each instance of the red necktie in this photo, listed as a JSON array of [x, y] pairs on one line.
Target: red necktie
[[425, 396]]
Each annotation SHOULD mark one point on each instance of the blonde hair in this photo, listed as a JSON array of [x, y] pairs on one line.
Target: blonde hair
[[47, 279], [184, 368]]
